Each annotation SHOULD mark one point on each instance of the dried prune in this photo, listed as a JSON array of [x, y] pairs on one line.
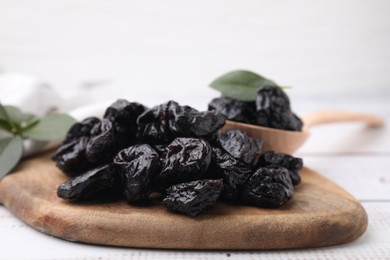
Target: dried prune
[[101, 146], [188, 122], [235, 110], [273, 103], [137, 165], [153, 125], [192, 198], [71, 159], [81, 129], [291, 163], [98, 182], [234, 173], [240, 146], [268, 187], [161, 124], [123, 115], [185, 159]]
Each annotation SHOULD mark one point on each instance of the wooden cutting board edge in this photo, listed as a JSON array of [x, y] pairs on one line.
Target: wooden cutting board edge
[[346, 226]]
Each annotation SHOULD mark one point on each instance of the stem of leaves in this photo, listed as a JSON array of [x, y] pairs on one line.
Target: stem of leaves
[[21, 126]]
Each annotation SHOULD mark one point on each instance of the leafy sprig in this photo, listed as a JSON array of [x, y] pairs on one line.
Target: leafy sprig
[[241, 84], [17, 126]]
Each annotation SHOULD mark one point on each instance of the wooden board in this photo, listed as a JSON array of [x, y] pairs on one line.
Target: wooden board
[[320, 214]]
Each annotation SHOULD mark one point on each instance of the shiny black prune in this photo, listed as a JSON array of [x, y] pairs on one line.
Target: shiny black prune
[[291, 163], [185, 159], [192, 198], [71, 159], [98, 182], [161, 124], [240, 146], [189, 122], [153, 125], [138, 166], [81, 129], [234, 173], [273, 103], [235, 110], [268, 187], [123, 115], [101, 146]]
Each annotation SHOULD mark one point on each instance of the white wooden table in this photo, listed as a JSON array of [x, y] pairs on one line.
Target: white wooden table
[[334, 54]]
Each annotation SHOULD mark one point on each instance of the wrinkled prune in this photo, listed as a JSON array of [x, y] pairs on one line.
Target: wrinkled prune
[[153, 125], [101, 146], [235, 110], [70, 157], [137, 165], [292, 164], [123, 115], [189, 122], [268, 187], [101, 181], [81, 129], [185, 159], [161, 124], [273, 103], [234, 173], [240, 146], [192, 198]]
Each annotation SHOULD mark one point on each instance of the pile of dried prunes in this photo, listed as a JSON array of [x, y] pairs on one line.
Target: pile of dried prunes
[[270, 109], [175, 151]]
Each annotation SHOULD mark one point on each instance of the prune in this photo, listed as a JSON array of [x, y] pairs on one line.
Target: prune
[[240, 146], [292, 164], [138, 165], [235, 110], [234, 173], [98, 182], [273, 103], [161, 124], [185, 159], [153, 125], [81, 129], [101, 146], [123, 116], [70, 157], [268, 187], [189, 122], [192, 198]]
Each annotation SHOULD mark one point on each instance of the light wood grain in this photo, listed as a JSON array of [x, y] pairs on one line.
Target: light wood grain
[[320, 214]]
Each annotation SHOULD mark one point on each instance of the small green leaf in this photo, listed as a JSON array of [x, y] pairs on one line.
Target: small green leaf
[[51, 127], [11, 149], [5, 125], [240, 84], [12, 119], [17, 116]]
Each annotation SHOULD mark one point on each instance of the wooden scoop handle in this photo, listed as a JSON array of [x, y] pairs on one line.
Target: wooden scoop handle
[[335, 116]]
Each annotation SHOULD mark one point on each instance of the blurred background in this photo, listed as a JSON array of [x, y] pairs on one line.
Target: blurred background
[[152, 51]]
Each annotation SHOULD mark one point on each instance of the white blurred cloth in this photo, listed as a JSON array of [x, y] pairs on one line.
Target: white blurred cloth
[[35, 96]]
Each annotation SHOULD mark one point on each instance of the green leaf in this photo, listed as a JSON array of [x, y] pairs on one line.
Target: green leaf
[[240, 84], [5, 125], [51, 127], [12, 119], [11, 149], [17, 116]]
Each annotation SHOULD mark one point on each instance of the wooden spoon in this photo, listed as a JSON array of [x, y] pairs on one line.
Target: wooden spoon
[[284, 141]]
